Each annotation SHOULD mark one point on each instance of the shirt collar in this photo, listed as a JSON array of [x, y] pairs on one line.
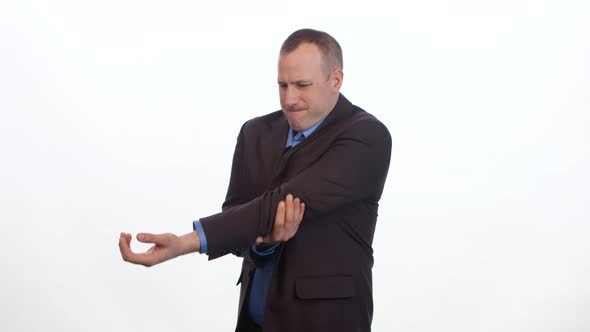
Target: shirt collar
[[306, 133]]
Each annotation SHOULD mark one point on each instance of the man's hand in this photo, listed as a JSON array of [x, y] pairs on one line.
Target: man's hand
[[166, 246], [287, 220]]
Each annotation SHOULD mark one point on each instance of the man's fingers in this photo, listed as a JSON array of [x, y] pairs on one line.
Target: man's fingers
[[296, 208], [297, 211], [277, 229], [124, 246], [279, 226], [126, 252], [299, 218], [279, 219], [301, 212], [129, 256], [125, 238], [289, 211]]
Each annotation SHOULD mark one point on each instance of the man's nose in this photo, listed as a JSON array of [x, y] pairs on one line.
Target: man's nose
[[291, 96]]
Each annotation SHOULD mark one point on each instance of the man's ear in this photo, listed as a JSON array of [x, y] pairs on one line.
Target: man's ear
[[336, 79]]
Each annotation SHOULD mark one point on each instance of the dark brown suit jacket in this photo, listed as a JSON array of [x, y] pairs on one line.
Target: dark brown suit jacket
[[322, 280]]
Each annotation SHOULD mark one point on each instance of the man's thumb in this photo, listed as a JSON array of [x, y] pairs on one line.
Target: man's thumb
[[148, 238]]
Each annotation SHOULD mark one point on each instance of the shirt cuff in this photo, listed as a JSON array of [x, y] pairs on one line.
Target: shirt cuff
[[265, 252], [199, 228]]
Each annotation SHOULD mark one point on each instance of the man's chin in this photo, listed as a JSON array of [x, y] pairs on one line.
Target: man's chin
[[295, 121]]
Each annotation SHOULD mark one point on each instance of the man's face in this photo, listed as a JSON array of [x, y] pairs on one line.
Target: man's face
[[307, 92]]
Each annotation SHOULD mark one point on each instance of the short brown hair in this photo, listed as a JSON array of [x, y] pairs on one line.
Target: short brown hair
[[329, 47]]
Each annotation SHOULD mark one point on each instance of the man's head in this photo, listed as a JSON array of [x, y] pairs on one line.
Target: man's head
[[310, 76]]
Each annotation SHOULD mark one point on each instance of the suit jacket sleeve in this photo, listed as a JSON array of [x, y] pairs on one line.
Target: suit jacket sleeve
[[238, 192], [354, 167]]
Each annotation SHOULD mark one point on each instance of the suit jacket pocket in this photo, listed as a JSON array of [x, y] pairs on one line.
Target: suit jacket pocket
[[324, 287]]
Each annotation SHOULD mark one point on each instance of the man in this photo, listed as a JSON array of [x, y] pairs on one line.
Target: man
[[307, 266]]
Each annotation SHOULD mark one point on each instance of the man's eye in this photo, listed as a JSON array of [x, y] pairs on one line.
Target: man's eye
[[303, 85]]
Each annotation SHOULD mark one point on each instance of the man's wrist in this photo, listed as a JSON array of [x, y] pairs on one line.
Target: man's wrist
[[190, 242]]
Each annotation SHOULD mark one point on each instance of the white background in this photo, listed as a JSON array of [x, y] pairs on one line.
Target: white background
[[122, 116]]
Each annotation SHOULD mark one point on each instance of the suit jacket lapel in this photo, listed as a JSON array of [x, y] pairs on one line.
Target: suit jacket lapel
[[341, 111], [273, 146]]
